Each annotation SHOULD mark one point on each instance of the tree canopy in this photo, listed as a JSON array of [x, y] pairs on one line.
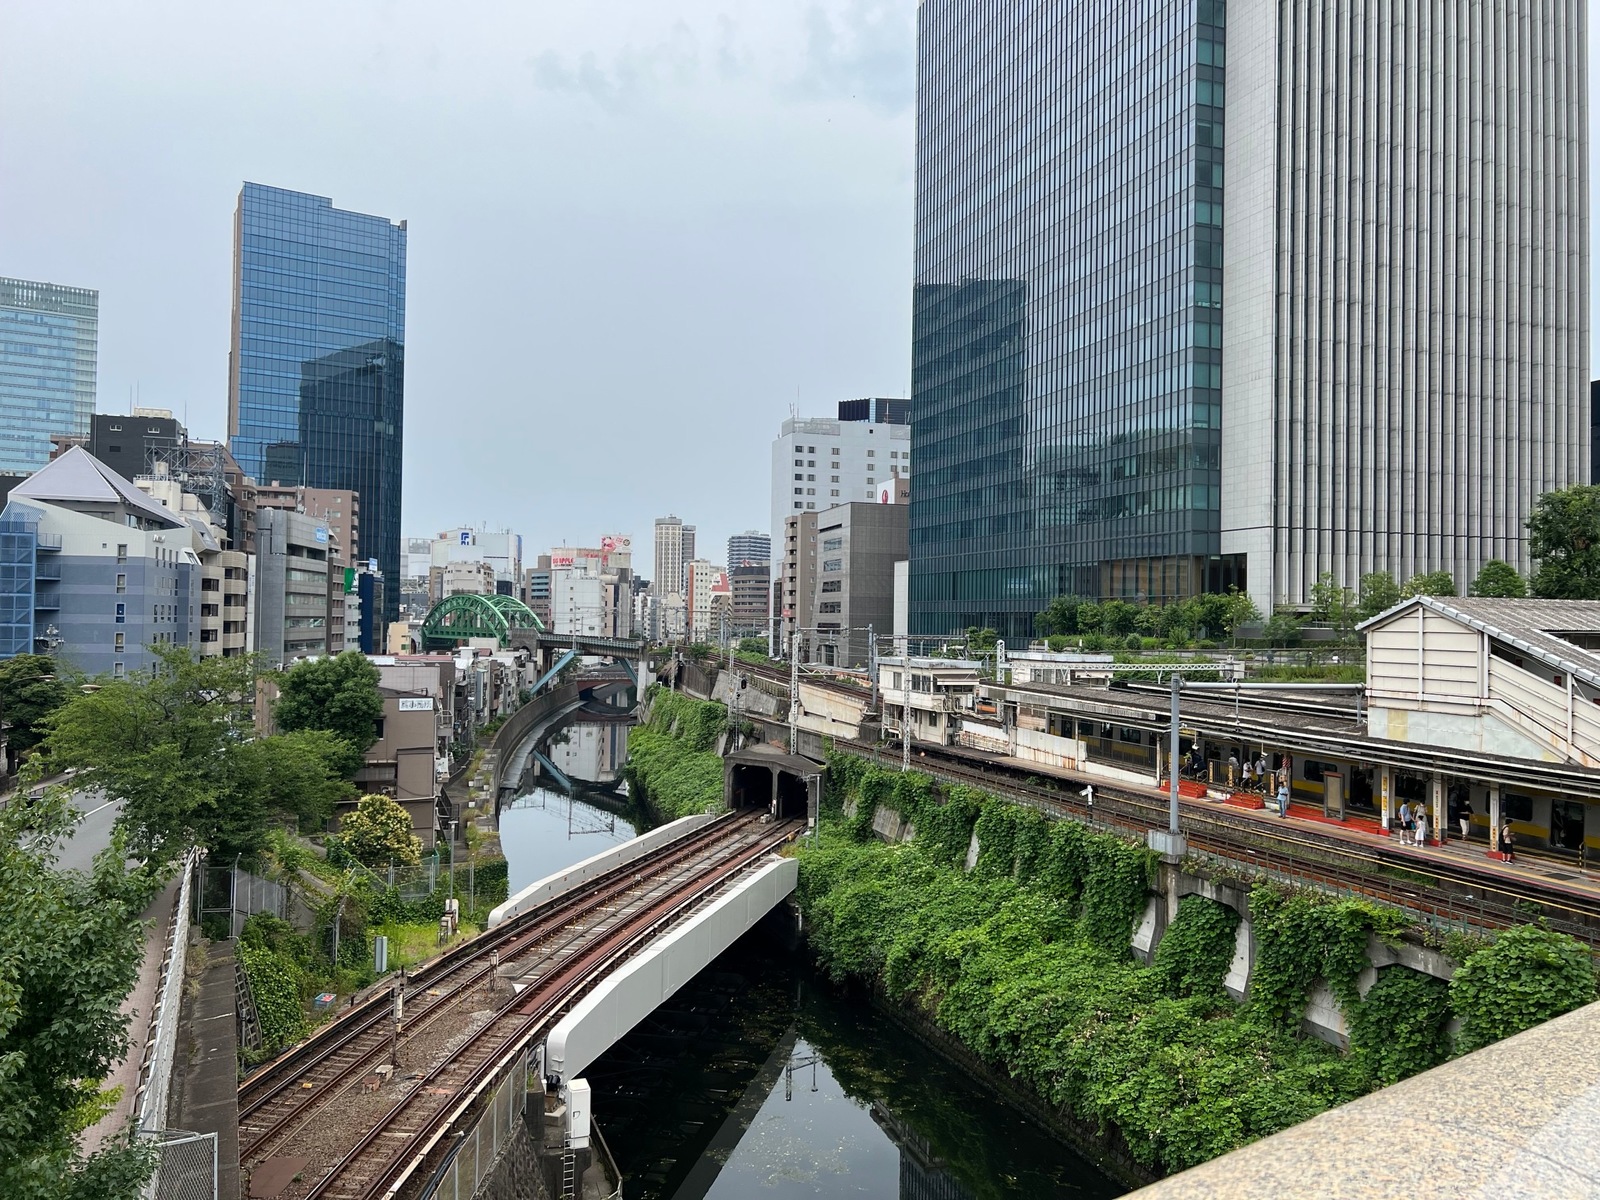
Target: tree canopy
[[1564, 540], [1429, 583], [31, 688], [70, 947], [1378, 592], [178, 749], [339, 694], [1499, 579], [380, 831]]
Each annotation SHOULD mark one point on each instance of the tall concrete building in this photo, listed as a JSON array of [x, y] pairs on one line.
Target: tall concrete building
[[316, 379], [1210, 295], [818, 462], [750, 546], [49, 342], [674, 551]]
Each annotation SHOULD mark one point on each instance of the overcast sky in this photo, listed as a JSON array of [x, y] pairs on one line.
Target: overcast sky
[[640, 230]]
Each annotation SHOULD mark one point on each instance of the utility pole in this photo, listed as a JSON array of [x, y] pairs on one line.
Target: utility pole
[[1172, 759], [872, 664], [794, 691]]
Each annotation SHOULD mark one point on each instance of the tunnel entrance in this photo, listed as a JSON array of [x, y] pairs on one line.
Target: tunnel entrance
[[765, 777], [750, 786]]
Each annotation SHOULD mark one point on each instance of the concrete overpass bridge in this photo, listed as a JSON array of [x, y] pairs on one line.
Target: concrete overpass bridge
[[416, 1091]]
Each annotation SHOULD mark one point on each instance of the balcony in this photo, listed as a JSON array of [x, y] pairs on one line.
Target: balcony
[[46, 601], [49, 541], [50, 572]]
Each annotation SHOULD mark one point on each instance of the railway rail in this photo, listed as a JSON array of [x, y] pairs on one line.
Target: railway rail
[[1443, 893], [1438, 892], [560, 946]]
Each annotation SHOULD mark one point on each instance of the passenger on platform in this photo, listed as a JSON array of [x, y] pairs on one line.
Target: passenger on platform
[[1248, 777], [1233, 766], [1508, 843], [1405, 820], [1283, 798], [1461, 812], [1261, 766], [1420, 817]]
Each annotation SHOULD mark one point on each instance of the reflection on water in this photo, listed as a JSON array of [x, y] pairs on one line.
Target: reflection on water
[[762, 1079], [544, 829]]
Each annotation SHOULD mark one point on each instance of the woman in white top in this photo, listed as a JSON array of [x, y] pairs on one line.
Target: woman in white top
[[1421, 818]]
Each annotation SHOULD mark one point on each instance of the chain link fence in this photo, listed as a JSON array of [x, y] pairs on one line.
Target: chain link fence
[[187, 1169]]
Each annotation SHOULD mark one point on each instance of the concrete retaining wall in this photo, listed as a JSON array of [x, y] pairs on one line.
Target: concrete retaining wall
[[551, 886]]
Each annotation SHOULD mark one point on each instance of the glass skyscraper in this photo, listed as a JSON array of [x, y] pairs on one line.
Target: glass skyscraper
[[1397, 198], [317, 373], [49, 337]]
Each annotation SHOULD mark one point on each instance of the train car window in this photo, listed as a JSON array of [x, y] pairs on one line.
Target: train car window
[[1516, 808], [1130, 735], [1314, 770]]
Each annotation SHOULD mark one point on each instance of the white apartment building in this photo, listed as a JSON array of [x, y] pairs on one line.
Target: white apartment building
[[818, 463], [707, 591], [500, 549]]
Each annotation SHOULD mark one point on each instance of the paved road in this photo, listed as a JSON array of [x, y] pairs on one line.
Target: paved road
[[92, 834]]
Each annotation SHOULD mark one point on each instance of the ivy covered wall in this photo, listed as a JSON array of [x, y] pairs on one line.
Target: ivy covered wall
[[1026, 959], [672, 759]]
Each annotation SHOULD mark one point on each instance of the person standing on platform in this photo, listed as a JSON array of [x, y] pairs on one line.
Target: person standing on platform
[[1508, 843], [1283, 798], [1405, 820], [1420, 816]]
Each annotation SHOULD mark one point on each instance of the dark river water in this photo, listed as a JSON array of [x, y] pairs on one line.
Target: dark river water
[[763, 1079]]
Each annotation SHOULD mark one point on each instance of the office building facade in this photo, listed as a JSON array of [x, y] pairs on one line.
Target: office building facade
[[1237, 306], [49, 343], [95, 571], [820, 462], [316, 389], [750, 546], [674, 550]]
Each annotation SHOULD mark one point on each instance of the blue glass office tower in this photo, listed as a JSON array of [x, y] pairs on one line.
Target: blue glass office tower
[[317, 374], [49, 338], [1396, 373], [1067, 306]]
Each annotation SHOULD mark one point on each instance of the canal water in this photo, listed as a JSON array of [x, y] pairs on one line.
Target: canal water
[[761, 1078]]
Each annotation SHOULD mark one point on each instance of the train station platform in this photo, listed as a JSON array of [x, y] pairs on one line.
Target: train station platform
[[1546, 871]]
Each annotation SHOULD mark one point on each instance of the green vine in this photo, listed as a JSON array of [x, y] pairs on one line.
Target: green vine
[[1399, 1028], [1193, 956], [1303, 936], [672, 761], [1529, 975]]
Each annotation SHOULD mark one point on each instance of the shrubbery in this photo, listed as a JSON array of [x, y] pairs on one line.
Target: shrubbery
[[1026, 960], [672, 758]]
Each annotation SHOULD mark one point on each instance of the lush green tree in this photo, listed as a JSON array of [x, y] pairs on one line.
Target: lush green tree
[[70, 947], [753, 645], [301, 774], [1564, 540], [31, 689], [1089, 617], [1117, 618], [981, 641], [162, 744], [378, 832], [1379, 592], [1499, 579], [1240, 611], [1333, 603], [339, 694], [1282, 628], [1430, 583], [179, 750], [1061, 618]]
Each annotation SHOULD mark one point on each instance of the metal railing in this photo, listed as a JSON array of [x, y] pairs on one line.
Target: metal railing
[[155, 1072], [475, 1151]]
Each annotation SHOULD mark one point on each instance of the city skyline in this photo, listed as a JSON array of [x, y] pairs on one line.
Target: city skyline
[[517, 289]]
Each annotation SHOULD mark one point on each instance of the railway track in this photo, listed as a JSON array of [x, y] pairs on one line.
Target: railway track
[[290, 1106], [1444, 892]]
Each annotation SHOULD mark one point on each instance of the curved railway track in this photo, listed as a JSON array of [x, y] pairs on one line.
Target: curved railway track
[[280, 1104]]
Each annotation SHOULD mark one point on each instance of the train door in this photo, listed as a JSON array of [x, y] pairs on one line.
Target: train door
[[1566, 824], [1333, 794]]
